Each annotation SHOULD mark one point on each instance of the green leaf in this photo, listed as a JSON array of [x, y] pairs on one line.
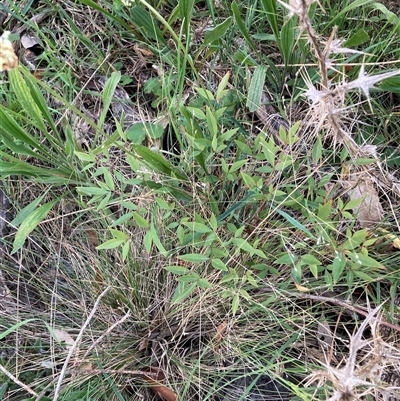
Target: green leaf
[[286, 259], [248, 180], [297, 272], [86, 157], [109, 180], [390, 85], [352, 204], [217, 32], [221, 91], [148, 242], [24, 96], [15, 327], [182, 291], [390, 16], [92, 191], [232, 276], [107, 95], [203, 283], [364, 161], [146, 23], [241, 243], [272, 16], [125, 250], [235, 303], [197, 227], [324, 211], [295, 223], [218, 264], [137, 132], [194, 258], [338, 265], [256, 88], [188, 278], [157, 162], [196, 112], [365, 260], [309, 259], [186, 8], [177, 269], [118, 234], [364, 276], [314, 270], [287, 40], [269, 150], [205, 93], [30, 223], [165, 205], [212, 123], [355, 241], [111, 244], [140, 221], [237, 165], [317, 150], [24, 213], [10, 129], [358, 38], [242, 27], [156, 240]]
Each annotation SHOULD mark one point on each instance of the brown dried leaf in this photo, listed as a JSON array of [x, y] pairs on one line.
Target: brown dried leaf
[[91, 235], [28, 41], [219, 335], [159, 388], [301, 288], [144, 342], [221, 331], [63, 336], [369, 212]]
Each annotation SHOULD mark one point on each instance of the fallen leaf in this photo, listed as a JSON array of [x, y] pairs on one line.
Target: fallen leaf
[[159, 388], [301, 288], [219, 335], [63, 336], [28, 41], [91, 235], [369, 212], [143, 343]]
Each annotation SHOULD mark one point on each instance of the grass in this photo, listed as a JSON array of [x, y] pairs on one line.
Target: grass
[[165, 239]]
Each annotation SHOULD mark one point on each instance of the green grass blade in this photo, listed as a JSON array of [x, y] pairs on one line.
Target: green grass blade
[[217, 32], [146, 23], [15, 327], [256, 87], [23, 94], [107, 95], [30, 224], [186, 12], [242, 28], [157, 162], [272, 16]]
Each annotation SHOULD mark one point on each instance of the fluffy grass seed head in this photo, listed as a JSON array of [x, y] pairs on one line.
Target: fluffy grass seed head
[[8, 58]]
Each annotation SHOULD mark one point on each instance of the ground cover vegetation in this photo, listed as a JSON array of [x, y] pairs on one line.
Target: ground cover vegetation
[[199, 200]]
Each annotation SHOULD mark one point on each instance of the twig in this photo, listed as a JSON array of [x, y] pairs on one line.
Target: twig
[[107, 332], [77, 341], [154, 375], [345, 305], [16, 381]]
